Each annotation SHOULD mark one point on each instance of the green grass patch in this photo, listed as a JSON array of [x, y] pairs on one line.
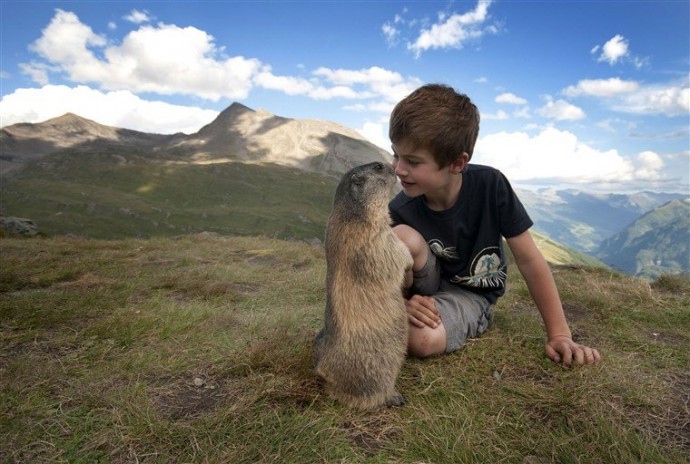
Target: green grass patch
[[198, 349]]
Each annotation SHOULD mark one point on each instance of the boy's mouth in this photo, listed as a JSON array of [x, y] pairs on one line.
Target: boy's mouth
[[406, 184]]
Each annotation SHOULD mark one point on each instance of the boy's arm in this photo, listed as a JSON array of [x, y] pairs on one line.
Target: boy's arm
[[560, 346]]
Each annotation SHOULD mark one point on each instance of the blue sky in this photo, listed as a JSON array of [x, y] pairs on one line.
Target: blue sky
[[593, 95]]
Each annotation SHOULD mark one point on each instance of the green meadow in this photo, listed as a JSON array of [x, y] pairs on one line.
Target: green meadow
[[197, 348]]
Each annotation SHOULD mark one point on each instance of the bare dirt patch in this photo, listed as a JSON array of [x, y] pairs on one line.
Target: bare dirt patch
[[576, 312], [190, 396], [370, 434], [87, 280]]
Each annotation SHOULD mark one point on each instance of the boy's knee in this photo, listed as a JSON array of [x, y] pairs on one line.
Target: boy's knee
[[414, 242], [425, 342]]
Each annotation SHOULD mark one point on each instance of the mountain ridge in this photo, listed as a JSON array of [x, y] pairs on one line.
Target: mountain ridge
[[657, 242], [70, 171], [238, 132]]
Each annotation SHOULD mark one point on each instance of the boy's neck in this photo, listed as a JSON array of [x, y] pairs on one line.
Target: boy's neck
[[446, 197]]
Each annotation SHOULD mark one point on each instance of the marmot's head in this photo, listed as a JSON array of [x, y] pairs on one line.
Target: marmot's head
[[365, 189]]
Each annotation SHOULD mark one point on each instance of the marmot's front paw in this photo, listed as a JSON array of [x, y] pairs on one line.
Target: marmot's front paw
[[396, 400]]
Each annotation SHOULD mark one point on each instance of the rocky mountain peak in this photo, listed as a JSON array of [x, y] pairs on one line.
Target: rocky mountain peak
[[238, 133]]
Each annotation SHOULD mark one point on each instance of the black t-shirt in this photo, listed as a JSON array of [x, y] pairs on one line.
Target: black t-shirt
[[467, 237]]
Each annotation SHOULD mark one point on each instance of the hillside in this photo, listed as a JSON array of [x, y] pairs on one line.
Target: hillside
[[248, 172], [656, 243], [106, 196], [238, 133], [248, 135], [198, 349], [102, 195], [583, 220], [24, 142]]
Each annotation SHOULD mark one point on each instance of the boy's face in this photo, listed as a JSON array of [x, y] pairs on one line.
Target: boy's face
[[418, 171]]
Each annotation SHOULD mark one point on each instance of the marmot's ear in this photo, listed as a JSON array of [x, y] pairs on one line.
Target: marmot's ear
[[359, 178]]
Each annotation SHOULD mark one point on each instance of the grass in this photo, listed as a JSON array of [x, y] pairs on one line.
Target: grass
[[97, 195], [198, 349], [90, 195]]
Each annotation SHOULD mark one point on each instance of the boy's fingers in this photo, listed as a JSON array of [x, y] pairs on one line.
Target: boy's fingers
[[414, 321], [426, 302], [592, 356], [579, 355], [429, 321], [596, 354], [425, 310], [552, 354], [419, 318]]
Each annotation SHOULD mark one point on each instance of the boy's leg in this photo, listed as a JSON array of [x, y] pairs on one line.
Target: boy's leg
[[421, 282], [463, 314], [418, 248]]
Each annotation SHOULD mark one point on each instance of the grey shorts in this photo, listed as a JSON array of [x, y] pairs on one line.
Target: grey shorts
[[464, 314]]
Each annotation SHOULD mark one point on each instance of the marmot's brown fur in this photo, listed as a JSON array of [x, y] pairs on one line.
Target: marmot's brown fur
[[362, 347]]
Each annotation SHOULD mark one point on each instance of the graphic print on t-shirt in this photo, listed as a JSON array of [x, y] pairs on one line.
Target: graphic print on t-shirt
[[446, 253], [485, 271]]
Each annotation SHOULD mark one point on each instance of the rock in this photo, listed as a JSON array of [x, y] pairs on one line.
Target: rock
[[199, 382], [18, 226]]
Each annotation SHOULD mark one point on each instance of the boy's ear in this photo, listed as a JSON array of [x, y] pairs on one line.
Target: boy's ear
[[460, 163]]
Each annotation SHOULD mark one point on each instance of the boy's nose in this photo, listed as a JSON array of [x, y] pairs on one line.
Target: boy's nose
[[396, 166]]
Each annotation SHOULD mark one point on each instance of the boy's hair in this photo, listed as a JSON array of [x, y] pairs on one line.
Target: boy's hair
[[439, 119]]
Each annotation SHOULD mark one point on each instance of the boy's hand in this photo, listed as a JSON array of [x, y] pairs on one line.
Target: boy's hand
[[563, 350], [421, 311]]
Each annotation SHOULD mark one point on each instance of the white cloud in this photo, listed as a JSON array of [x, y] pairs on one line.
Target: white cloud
[[391, 33], [377, 134], [454, 30], [500, 115], [670, 99], [481, 80], [138, 17], [523, 113], [338, 91], [65, 42], [117, 108], [650, 163], [37, 71], [377, 106], [168, 60], [164, 59], [374, 82], [558, 156], [616, 50], [613, 50], [510, 99], [601, 87], [286, 84], [561, 110]]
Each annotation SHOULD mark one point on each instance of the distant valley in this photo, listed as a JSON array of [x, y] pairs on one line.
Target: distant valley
[[252, 173]]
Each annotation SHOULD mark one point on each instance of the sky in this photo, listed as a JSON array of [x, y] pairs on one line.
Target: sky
[[591, 95]]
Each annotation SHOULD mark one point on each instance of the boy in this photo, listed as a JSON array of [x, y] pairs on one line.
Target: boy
[[451, 216]]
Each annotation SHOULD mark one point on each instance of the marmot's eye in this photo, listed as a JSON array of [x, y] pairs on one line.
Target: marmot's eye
[[378, 166]]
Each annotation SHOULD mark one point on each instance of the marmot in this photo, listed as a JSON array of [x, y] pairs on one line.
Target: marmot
[[362, 347]]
